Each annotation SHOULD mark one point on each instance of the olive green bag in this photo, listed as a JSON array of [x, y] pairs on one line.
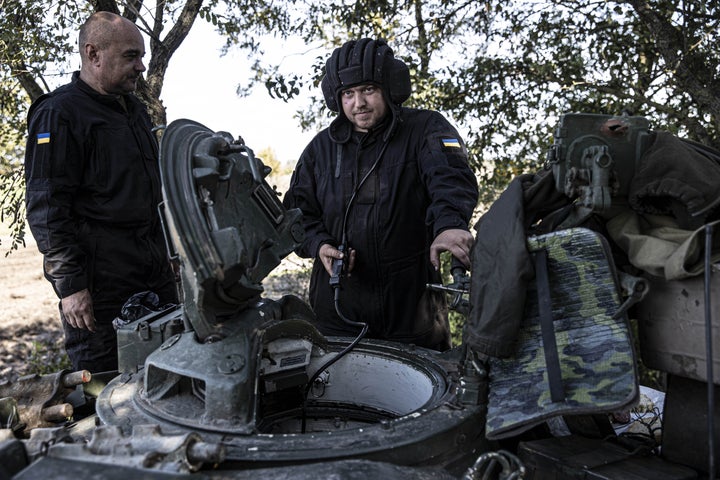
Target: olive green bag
[[574, 353]]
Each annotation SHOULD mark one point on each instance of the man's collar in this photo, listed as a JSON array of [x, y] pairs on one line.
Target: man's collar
[[100, 97]]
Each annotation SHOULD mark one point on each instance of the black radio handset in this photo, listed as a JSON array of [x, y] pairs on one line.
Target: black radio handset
[[338, 265]]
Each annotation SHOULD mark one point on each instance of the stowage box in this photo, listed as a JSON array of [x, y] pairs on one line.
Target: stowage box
[[138, 339], [672, 327]]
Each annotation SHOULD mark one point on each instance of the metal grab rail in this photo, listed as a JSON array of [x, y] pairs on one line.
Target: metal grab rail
[[709, 352]]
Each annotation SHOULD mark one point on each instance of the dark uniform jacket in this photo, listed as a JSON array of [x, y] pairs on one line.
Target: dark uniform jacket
[[501, 263], [93, 188], [421, 185]]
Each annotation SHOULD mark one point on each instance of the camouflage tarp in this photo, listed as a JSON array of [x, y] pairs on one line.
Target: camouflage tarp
[[596, 355]]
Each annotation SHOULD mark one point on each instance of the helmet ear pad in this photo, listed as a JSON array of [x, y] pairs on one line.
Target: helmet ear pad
[[365, 61], [329, 93], [397, 81]]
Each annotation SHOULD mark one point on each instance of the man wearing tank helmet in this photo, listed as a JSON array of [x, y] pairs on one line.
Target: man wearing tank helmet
[[386, 189]]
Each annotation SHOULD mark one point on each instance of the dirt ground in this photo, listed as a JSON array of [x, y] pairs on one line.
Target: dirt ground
[[30, 331]]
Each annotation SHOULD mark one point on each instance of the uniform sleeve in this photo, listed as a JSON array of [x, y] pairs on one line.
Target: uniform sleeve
[[450, 182], [302, 194], [53, 171]]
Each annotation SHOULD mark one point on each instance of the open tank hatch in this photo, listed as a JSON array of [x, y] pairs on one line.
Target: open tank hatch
[[253, 373]]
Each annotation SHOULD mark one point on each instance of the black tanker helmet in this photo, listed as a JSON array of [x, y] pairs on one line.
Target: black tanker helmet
[[365, 61]]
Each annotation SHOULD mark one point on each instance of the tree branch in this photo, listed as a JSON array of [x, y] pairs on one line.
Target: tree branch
[[27, 81], [690, 76]]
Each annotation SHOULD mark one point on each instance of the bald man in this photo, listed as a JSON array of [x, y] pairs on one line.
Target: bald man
[[93, 187]]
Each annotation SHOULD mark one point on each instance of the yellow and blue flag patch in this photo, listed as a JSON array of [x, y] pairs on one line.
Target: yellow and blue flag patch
[[451, 143], [43, 138]]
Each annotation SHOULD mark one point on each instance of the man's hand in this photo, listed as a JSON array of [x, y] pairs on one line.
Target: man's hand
[[328, 253], [78, 310], [457, 241]]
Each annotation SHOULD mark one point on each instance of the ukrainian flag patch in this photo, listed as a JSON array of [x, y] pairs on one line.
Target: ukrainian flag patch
[[451, 143], [43, 138]]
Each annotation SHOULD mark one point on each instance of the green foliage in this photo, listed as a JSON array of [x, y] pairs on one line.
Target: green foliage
[[36, 41], [503, 71], [457, 323], [506, 70], [563, 56], [46, 358], [269, 158], [12, 195], [292, 277]]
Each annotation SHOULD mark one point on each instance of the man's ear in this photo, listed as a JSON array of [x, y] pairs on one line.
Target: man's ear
[[91, 52]]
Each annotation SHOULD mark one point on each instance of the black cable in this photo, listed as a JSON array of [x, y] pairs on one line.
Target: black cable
[[326, 365], [344, 351], [357, 189], [337, 269]]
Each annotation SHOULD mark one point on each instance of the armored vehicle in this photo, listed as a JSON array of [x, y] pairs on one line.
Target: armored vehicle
[[231, 384]]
